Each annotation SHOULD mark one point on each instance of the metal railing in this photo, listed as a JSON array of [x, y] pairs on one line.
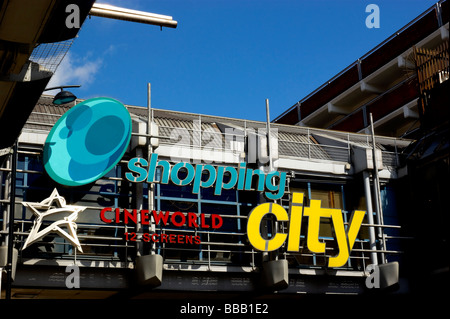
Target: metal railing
[[221, 247], [435, 7], [216, 248], [305, 147], [201, 132]]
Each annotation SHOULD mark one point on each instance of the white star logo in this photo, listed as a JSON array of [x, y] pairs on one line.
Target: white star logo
[[53, 205]]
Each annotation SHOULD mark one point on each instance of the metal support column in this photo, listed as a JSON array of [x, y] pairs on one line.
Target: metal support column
[[151, 186], [372, 237], [377, 192], [264, 230], [10, 238], [139, 205]]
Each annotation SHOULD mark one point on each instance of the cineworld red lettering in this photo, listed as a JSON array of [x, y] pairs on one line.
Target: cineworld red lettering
[[177, 219]]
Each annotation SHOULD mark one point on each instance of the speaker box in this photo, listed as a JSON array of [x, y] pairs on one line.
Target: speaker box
[[4, 261], [275, 274], [389, 274], [149, 270]]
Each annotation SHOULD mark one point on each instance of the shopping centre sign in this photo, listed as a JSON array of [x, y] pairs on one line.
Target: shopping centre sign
[[219, 177], [273, 185], [91, 138], [177, 219], [345, 238]]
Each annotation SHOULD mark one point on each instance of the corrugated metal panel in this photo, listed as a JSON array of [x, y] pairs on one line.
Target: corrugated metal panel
[[185, 128], [189, 132], [45, 114], [300, 145]]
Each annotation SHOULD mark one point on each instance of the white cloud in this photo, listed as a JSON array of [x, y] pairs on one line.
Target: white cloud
[[75, 71]]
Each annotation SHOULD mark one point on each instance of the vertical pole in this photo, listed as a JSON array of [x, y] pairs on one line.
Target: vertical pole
[[264, 230], [376, 189], [6, 194], [372, 237], [1, 196], [268, 135], [138, 188], [269, 154], [12, 206], [151, 186]]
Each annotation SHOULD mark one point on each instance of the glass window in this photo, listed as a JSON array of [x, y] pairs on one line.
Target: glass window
[[173, 205], [329, 195], [170, 190]]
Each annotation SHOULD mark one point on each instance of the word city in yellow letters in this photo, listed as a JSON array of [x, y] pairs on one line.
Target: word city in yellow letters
[[345, 239]]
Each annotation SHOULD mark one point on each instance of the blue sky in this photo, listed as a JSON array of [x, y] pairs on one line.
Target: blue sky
[[226, 56]]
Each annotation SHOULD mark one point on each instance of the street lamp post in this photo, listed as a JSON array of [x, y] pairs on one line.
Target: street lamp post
[[63, 97]]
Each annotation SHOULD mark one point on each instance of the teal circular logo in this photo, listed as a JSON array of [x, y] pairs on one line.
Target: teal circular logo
[[87, 141]]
